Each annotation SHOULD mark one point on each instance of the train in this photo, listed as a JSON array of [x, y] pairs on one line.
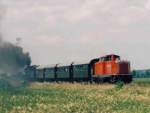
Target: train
[[108, 68]]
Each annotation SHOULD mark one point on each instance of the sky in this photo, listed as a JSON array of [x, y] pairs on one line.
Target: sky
[[62, 31]]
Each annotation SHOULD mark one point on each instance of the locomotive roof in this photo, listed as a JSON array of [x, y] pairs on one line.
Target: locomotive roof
[[111, 55]]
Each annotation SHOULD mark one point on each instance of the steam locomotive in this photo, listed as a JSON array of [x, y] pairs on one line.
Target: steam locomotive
[[108, 68]]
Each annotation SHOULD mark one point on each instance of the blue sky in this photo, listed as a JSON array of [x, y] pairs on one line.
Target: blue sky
[[62, 31]]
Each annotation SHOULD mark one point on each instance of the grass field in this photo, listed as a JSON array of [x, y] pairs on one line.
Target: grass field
[[77, 98]]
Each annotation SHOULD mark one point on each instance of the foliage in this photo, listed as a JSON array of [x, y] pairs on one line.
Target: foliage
[[119, 85], [76, 98]]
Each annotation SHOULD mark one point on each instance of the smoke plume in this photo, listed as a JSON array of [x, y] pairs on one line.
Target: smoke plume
[[13, 60]]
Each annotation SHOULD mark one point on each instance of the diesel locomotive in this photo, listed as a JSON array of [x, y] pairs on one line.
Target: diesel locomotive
[[108, 68]]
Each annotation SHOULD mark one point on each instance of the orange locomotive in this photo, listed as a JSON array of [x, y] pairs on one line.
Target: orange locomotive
[[111, 68]]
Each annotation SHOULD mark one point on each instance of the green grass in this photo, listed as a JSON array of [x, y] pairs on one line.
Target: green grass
[[77, 98]]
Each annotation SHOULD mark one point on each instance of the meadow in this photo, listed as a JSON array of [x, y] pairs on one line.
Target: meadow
[[77, 98]]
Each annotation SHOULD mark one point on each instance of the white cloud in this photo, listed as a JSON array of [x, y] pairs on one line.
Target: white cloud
[[66, 30], [147, 5]]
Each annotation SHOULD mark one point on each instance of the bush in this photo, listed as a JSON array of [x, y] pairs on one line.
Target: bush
[[4, 84], [119, 85]]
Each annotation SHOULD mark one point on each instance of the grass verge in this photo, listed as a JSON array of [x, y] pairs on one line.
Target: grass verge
[[77, 98]]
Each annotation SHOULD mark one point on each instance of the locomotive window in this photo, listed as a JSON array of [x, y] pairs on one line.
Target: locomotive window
[[117, 58], [108, 58], [66, 70], [102, 59]]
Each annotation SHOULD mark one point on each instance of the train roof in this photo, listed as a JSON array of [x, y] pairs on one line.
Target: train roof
[[63, 65], [45, 66], [59, 65], [111, 55], [74, 63]]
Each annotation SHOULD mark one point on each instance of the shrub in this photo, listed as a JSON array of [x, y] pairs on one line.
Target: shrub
[[119, 85]]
